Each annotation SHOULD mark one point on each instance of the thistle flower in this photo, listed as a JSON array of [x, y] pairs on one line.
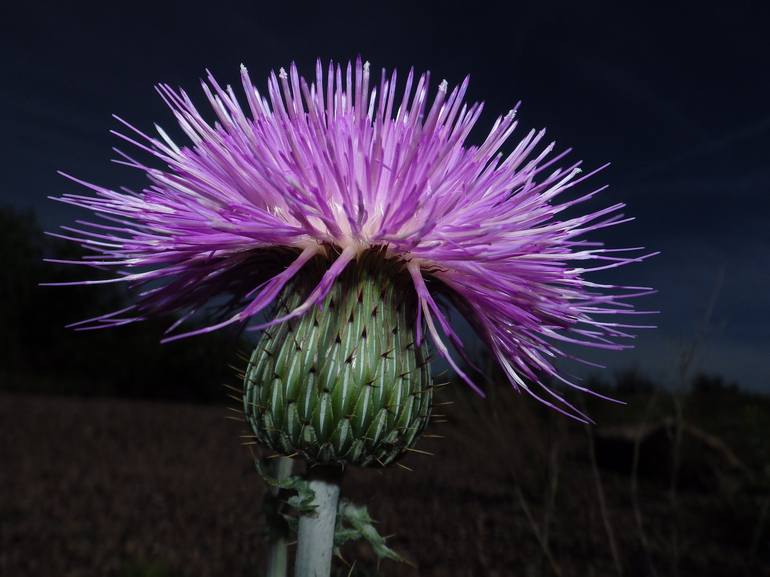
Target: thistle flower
[[355, 196]]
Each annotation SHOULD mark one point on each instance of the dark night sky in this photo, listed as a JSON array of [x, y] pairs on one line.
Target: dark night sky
[[675, 97]]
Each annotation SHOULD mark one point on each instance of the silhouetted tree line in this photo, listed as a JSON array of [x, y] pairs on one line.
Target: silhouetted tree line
[[634, 381], [628, 381], [37, 352]]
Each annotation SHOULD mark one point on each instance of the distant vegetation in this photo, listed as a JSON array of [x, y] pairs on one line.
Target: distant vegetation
[[38, 354]]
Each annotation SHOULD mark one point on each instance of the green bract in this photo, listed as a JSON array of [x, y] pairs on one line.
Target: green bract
[[345, 382]]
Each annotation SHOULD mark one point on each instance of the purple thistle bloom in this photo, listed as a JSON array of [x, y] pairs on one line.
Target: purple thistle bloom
[[337, 166]]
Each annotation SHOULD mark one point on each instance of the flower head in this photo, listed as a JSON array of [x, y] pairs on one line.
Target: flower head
[[344, 164]]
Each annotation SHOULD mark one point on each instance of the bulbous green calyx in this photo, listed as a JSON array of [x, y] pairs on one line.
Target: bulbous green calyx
[[345, 382]]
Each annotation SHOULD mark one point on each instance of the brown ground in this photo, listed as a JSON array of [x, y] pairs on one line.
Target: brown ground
[[123, 488]]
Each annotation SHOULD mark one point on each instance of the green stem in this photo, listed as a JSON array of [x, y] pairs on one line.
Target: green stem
[[277, 556], [315, 538]]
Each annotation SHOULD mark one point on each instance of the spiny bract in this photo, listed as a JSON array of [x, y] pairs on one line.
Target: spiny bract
[[345, 382], [341, 165]]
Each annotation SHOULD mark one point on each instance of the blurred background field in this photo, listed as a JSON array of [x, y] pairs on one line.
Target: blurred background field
[[666, 485]]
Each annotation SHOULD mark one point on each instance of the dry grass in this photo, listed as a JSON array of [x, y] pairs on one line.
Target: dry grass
[[132, 489]]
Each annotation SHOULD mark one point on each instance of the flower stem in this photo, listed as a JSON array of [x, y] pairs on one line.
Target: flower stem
[[277, 557], [315, 539]]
